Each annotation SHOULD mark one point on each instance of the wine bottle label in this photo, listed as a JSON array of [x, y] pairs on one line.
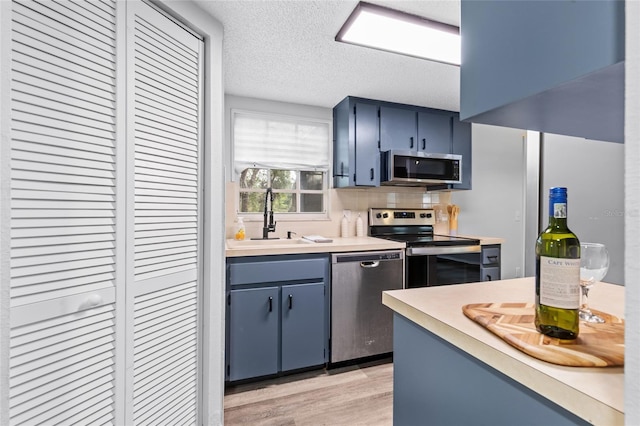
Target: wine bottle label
[[560, 282], [560, 210]]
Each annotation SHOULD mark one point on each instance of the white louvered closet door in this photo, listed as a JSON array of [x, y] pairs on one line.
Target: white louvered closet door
[[164, 239], [63, 213]]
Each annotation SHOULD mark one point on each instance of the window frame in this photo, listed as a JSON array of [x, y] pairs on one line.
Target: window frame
[[284, 216]]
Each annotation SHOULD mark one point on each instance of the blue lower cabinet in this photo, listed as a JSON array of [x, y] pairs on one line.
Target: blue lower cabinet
[[254, 320], [277, 314], [303, 325]]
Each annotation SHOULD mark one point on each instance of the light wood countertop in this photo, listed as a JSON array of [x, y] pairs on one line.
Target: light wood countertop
[[595, 394], [484, 241], [297, 245]]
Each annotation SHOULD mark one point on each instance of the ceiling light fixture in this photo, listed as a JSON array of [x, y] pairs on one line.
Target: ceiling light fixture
[[386, 29]]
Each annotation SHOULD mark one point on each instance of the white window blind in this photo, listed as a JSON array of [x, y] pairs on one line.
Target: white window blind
[[270, 141]]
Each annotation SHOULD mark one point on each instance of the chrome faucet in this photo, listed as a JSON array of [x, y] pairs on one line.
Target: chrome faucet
[[271, 226]]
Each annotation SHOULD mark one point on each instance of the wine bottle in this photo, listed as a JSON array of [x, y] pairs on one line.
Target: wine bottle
[[557, 273]]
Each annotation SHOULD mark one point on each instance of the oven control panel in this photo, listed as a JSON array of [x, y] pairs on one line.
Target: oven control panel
[[401, 217]]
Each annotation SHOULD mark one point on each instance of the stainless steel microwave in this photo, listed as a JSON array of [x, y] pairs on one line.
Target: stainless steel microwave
[[417, 168]]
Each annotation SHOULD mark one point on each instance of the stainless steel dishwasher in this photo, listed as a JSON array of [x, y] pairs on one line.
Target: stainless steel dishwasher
[[361, 325]]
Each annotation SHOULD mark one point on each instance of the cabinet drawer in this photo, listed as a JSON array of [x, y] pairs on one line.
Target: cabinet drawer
[[490, 274], [491, 256], [265, 271]]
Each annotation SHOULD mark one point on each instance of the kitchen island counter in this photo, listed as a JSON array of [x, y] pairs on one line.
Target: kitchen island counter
[[434, 314]]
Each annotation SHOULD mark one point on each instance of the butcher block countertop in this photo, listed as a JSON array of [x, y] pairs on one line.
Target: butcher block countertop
[[594, 394], [298, 245]]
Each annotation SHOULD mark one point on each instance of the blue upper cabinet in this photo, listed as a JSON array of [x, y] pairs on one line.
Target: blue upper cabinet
[[365, 128], [398, 129], [553, 66], [356, 158]]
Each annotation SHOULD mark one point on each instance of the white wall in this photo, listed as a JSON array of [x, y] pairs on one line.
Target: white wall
[[593, 173], [632, 213], [494, 206]]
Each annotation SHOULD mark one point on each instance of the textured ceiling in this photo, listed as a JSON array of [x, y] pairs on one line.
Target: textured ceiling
[[285, 51]]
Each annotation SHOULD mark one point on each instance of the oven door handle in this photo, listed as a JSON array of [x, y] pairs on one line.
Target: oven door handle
[[436, 250]]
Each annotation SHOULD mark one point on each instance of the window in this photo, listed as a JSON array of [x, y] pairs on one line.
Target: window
[[287, 154]]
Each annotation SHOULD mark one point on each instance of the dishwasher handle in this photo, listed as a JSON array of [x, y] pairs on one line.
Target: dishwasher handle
[[368, 258], [370, 264]]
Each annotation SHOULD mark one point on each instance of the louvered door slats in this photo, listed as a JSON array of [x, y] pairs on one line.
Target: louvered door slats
[[180, 57], [182, 54], [162, 303], [100, 414], [148, 174], [158, 122], [81, 403], [48, 95], [152, 397], [103, 6], [161, 188], [54, 191], [149, 146], [75, 386], [63, 200], [59, 240], [59, 36], [162, 408], [168, 223], [97, 166], [151, 61], [60, 363], [166, 227], [165, 107], [143, 251], [66, 257], [53, 250], [32, 392], [165, 111], [57, 11], [48, 142], [66, 167]]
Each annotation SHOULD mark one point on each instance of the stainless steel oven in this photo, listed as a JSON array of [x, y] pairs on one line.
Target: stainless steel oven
[[431, 259]]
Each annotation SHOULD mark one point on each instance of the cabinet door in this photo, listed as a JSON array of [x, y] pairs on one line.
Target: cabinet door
[[60, 278], [434, 133], [490, 274], [367, 153], [461, 144], [164, 238], [303, 325], [398, 129], [253, 332]]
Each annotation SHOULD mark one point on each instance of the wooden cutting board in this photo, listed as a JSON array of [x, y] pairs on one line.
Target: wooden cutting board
[[597, 345]]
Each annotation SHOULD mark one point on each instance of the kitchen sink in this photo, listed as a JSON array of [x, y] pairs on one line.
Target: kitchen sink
[[263, 243]]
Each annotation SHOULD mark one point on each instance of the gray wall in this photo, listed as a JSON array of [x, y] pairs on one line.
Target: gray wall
[[593, 173], [494, 206]]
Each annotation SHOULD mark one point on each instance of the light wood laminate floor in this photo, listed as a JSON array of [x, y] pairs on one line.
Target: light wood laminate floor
[[353, 395]]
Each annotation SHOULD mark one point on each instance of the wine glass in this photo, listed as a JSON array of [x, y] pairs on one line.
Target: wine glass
[[594, 264]]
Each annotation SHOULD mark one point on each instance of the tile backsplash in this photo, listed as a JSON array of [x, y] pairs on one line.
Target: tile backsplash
[[355, 200]]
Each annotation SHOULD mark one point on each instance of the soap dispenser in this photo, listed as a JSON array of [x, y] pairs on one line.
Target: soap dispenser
[[359, 227], [240, 230], [344, 229]]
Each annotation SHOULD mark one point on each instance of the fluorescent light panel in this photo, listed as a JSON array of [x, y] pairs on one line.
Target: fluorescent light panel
[[394, 31]]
